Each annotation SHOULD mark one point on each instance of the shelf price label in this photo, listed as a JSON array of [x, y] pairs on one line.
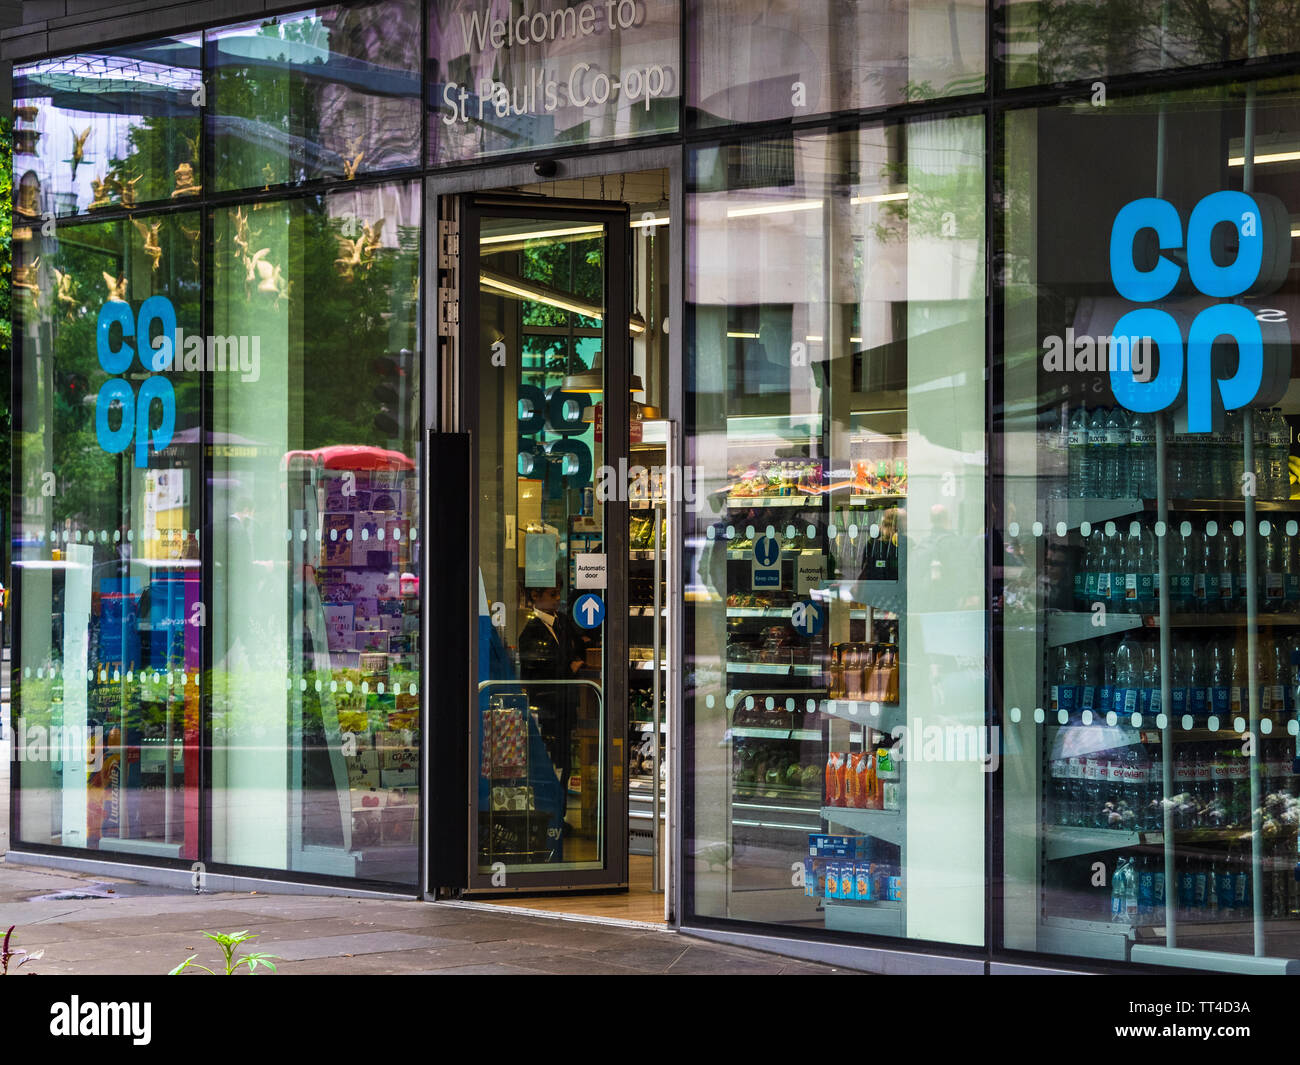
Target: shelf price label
[[767, 563]]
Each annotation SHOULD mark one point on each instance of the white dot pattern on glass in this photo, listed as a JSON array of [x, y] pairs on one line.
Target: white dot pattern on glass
[[1039, 715], [1162, 721], [812, 532], [1238, 528], [1038, 528], [1185, 529], [1062, 529], [1266, 726], [1014, 714], [1160, 529], [1086, 717], [749, 531], [1212, 724], [1186, 722], [1013, 530]]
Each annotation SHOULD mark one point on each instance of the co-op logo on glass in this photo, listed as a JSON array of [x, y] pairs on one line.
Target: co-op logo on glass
[[170, 349], [1143, 232]]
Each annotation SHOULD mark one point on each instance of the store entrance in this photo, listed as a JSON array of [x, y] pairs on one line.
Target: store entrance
[[556, 359]]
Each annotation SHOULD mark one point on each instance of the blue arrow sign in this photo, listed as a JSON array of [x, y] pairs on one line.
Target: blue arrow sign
[[589, 610], [806, 617], [767, 552]]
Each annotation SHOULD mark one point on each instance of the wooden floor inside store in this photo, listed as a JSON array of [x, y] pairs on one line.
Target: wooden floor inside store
[[638, 903]]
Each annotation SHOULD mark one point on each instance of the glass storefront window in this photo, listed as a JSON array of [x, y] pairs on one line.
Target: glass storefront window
[[503, 79], [1045, 41], [329, 93], [108, 481], [1147, 566], [114, 128], [835, 593], [796, 59], [315, 487]]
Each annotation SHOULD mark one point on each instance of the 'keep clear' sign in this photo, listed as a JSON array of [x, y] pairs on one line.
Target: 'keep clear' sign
[[522, 77]]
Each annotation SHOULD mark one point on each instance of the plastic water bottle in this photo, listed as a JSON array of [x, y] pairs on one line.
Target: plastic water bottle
[[1150, 702], [1279, 453], [1077, 453], [1219, 684], [1154, 818], [1218, 475], [1235, 426], [1272, 568], [1206, 582], [1239, 693], [1089, 677], [1064, 691], [1093, 464], [1182, 570], [1128, 677], [1141, 457], [1198, 680], [1146, 891], [1114, 468], [1291, 567], [1226, 559], [1273, 658]]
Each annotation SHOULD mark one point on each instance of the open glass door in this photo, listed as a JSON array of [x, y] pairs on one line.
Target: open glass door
[[544, 345]]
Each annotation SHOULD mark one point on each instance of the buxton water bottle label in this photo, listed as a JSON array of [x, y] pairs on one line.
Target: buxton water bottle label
[[1087, 696], [1077, 437], [1225, 587], [1274, 586], [1235, 700], [1220, 700], [1130, 587]]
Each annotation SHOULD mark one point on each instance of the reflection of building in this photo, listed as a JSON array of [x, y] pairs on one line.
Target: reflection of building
[[840, 680]]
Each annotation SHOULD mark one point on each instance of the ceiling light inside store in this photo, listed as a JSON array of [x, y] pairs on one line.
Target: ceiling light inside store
[[524, 290], [883, 197], [646, 223], [540, 234], [1268, 149], [774, 208]]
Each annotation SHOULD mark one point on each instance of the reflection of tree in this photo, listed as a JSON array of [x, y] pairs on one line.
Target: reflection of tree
[[6, 266], [1070, 39]]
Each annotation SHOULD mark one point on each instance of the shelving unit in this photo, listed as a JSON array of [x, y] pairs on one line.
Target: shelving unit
[[1198, 774]]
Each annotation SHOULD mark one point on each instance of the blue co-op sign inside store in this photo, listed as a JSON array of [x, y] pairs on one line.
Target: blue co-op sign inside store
[[1234, 245]]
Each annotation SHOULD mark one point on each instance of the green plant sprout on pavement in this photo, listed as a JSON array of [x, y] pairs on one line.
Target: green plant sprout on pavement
[[229, 942]]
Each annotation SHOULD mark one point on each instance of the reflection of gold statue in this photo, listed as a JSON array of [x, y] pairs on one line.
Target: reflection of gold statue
[[78, 149], [193, 144], [241, 231], [29, 198], [25, 277], [150, 234], [185, 185], [192, 235], [116, 288], [351, 255], [101, 190], [66, 291], [269, 277], [127, 189], [268, 172], [359, 252], [26, 112], [353, 159]]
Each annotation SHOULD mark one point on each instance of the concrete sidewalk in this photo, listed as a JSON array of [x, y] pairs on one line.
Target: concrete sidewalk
[[128, 928]]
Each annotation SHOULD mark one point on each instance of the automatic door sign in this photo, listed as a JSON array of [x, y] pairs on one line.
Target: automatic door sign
[[807, 617], [589, 611], [767, 563]]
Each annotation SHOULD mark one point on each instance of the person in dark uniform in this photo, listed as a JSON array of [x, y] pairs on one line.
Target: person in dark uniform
[[552, 648]]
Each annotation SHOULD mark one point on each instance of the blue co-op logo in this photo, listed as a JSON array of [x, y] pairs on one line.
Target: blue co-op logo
[[1207, 257], [133, 409]]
